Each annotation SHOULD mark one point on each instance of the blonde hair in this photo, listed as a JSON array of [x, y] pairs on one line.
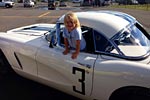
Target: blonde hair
[[71, 17]]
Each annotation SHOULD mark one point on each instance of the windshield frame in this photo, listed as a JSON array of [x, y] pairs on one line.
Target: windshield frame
[[139, 28]]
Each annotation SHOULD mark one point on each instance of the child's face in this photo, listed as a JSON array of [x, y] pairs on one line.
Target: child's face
[[70, 25]]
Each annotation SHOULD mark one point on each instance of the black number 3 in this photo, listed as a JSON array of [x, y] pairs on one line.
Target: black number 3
[[81, 80]]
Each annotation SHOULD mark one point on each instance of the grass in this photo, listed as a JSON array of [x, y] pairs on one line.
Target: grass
[[145, 7]]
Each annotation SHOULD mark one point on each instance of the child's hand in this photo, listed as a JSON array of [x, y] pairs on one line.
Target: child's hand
[[74, 55], [66, 52]]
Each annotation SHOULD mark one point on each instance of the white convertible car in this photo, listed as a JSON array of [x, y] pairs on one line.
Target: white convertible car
[[114, 66]]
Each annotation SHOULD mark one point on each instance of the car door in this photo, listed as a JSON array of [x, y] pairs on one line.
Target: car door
[[62, 72], [103, 70]]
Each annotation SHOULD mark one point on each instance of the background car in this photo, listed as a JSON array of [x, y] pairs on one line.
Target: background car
[[114, 66], [143, 1], [62, 3], [76, 1], [7, 4], [85, 3], [51, 5], [107, 2], [46, 1], [28, 3], [127, 2]]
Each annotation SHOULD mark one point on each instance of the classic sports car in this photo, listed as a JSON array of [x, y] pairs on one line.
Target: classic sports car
[[114, 66]]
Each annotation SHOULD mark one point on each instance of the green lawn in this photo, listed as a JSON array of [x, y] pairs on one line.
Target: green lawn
[[140, 7]]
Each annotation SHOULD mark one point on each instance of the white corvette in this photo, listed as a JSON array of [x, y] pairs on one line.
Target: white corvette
[[114, 66]]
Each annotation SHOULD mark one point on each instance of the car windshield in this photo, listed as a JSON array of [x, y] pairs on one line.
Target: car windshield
[[133, 41], [56, 31], [50, 34]]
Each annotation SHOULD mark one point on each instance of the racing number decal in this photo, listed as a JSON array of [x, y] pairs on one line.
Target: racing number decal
[[81, 80]]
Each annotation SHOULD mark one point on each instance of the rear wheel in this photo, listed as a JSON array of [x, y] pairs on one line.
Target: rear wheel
[[131, 93]]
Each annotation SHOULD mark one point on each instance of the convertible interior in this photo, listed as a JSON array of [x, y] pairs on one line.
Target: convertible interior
[[94, 40]]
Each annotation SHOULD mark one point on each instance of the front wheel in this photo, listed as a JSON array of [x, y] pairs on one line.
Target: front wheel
[[7, 6], [5, 67]]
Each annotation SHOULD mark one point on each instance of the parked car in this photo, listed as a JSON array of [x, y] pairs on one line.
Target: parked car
[[46, 1], [85, 3], [114, 66], [7, 4], [51, 5], [107, 2], [143, 1], [128, 2], [62, 4], [29, 3], [76, 1]]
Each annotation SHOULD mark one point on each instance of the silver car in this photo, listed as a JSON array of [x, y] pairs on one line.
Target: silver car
[[29, 3]]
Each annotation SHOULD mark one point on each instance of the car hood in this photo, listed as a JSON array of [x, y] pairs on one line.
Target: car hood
[[32, 30], [27, 33]]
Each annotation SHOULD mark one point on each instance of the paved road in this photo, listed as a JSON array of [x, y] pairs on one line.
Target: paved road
[[17, 88], [19, 16], [14, 87]]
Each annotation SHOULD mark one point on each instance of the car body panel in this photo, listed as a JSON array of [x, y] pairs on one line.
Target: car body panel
[[25, 47], [64, 71], [126, 73]]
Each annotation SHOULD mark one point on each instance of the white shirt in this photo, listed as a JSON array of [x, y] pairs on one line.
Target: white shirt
[[74, 35]]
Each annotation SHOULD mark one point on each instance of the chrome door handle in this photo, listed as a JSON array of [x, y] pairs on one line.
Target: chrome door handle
[[86, 65]]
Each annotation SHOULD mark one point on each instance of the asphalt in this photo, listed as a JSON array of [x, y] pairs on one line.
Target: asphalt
[[14, 87]]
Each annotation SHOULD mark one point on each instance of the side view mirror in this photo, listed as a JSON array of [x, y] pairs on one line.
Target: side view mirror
[[51, 39], [48, 37]]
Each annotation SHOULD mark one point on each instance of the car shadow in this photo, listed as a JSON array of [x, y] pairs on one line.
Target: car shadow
[[15, 87]]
